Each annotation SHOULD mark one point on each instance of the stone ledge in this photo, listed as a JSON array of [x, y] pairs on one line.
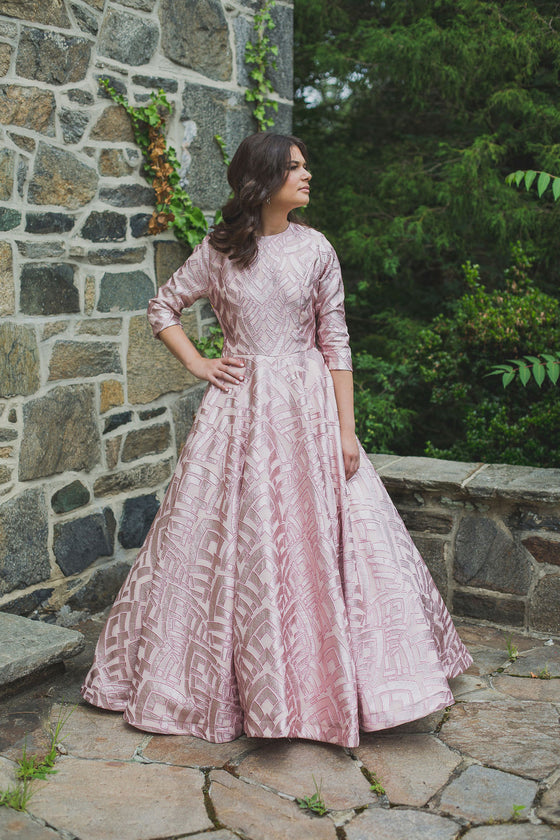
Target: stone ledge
[[480, 481], [28, 646]]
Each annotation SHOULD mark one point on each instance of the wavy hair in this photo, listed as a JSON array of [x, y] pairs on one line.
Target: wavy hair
[[258, 169]]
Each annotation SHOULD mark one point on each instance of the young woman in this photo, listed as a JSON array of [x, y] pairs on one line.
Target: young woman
[[278, 592]]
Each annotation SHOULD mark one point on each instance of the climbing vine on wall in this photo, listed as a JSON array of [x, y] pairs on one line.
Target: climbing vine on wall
[[261, 54], [174, 207]]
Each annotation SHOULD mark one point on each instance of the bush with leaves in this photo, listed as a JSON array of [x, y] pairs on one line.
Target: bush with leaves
[[469, 415]]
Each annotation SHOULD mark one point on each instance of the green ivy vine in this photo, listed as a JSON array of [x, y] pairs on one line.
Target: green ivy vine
[[262, 54]]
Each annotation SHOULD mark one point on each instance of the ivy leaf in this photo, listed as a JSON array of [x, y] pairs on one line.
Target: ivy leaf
[[524, 373], [556, 188], [507, 378]]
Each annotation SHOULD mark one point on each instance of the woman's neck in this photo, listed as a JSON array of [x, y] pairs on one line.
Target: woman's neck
[[272, 221]]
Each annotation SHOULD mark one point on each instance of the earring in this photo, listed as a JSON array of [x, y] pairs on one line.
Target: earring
[[268, 199]]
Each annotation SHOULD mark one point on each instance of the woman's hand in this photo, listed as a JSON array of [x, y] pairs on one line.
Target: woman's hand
[[350, 453], [222, 372]]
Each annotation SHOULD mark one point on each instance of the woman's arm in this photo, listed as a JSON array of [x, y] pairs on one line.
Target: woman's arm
[[221, 372], [344, 393]]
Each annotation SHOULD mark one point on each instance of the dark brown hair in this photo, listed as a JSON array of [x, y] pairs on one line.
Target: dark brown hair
[[258, 169]]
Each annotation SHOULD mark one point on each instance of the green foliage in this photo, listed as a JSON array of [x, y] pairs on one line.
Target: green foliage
[[414, 114], [545, 365], [543, 182], [174, 207], [210, 345], [313, 803], [261, 54], [35, 767]]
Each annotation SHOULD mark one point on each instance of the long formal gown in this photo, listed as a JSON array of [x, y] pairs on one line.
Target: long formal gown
[[272, 596]]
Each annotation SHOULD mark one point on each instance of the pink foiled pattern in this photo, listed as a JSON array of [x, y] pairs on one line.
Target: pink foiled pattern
[[272, 596]]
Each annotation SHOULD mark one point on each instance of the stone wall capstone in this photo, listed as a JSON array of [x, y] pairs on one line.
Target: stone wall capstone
[[93, 411]]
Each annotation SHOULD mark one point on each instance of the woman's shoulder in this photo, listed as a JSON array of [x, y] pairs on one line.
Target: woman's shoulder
[[312, 236]]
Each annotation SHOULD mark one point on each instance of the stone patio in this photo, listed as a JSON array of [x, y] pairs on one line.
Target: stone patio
[[488, 768]]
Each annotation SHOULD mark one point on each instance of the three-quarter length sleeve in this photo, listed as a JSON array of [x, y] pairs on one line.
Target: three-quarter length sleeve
[[332, 332], [186, 285]]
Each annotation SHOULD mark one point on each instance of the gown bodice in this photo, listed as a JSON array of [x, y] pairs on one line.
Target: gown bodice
[[290, 299]]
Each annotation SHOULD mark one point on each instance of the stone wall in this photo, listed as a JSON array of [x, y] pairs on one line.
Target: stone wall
[[490, 535], [92, 409]]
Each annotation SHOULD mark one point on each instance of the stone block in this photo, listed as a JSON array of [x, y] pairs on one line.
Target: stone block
[[136, 478], [539, 690], [85, 19], [113, 125], [128, 195], [111, 394], [53, 328], [209, 111], [139, 224], [112, 449], [433, 554], [196, 35], [20, 374], [142, 5], [150, 413], [486, 555], [381, 824], [48, 289], [114, 256], [137, 517], [420, 520], [281, 78], [27, 107], [100, 590], [7, 157], [510, 735], [51, 12], [22, 171], [100, 326], [151, 370], [290, 767], [543, 549], [17, 825], [105, 226], [395, 759], [48, 223], [115, 420], [51, 57], [81, 97], [125, 291], [78, 543], [91, 733], [282, 118], [81, 360], [148, 441], [549, 807], [544, 609], [507, 611], [517, 483], [27, 646], [168, 257], [188, 751], [40, 250], [59, 177], [24, 551], [28, 603], [9, 219], [59, 433], [156, 83], [28, 144], [5, 58], [7, 290], [253, 811], [113, 162], [481, 794], [528, 519], [184, 412], [73, 124], [127, 38], [70, 497]]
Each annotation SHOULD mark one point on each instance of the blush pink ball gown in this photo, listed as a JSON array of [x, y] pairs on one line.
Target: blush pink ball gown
[[272, 596]]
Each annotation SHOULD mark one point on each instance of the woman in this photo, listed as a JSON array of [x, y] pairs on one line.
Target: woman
[[278, 592]]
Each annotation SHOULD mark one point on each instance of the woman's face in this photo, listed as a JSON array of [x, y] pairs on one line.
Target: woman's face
[[294, 192]]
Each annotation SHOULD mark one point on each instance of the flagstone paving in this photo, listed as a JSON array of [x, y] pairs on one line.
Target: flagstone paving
[[488, 768]]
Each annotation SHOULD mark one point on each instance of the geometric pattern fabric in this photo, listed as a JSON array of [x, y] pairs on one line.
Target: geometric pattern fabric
[[272, 596]]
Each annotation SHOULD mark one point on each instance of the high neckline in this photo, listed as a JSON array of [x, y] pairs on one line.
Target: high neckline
[[274, 235]]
